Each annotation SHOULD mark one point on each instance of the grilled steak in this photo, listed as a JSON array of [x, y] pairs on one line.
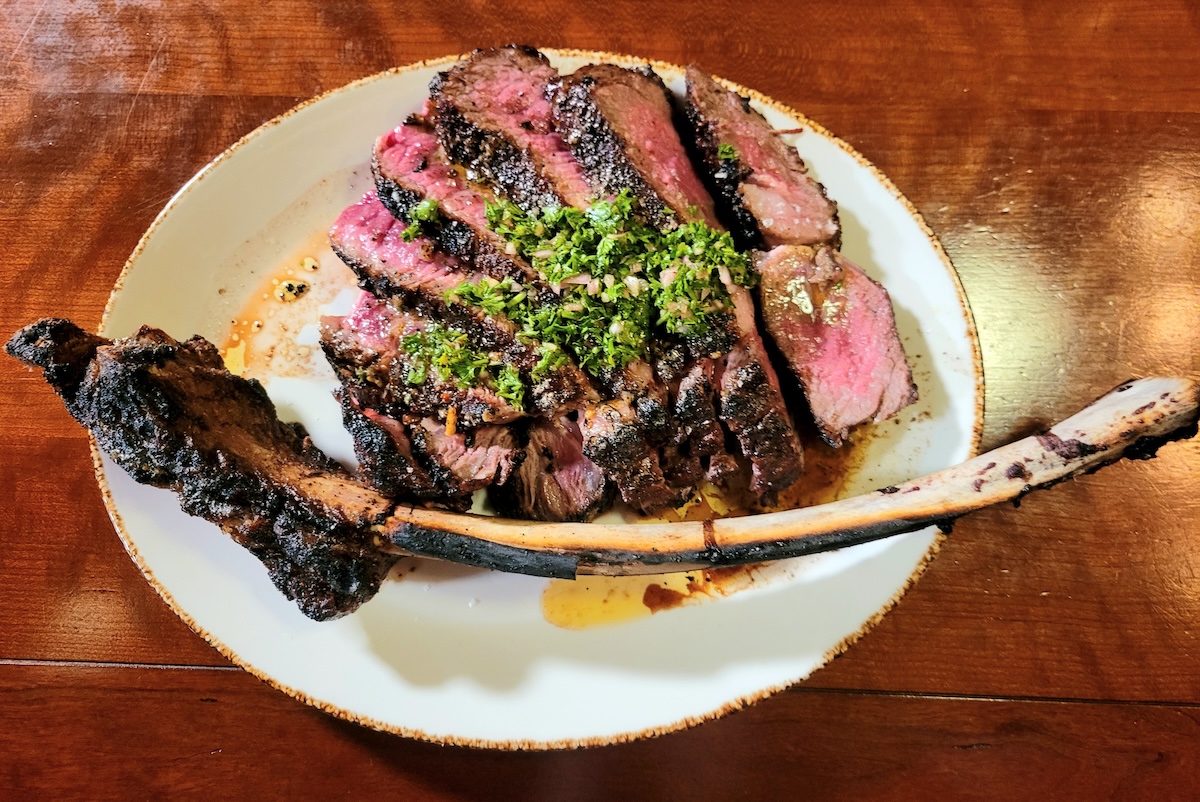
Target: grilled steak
[[370, 240], [369, 349], [614, 440], [762, 185], [385, 456], [602, 110], [619, 125], [171, 415], [837, 330], [695, 409], [752, 407], [494, 119], [834, 325], [410, 168], [555, 481], [466, 461]]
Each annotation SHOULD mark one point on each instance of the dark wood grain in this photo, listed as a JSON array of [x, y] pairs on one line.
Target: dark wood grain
[[122, 733], [1052, 148]]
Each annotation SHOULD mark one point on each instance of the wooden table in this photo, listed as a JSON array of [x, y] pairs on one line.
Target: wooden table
[[1050, 651]]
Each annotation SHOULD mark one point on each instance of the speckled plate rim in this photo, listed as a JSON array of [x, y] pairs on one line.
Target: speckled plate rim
[[518, 744]]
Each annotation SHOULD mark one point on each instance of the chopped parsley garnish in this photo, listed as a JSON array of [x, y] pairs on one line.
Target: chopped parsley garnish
[[726, 152], [424, 212], [445, 353], [616, 278], [510, 388]]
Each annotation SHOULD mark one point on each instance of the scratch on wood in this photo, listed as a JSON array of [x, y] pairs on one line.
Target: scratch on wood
[[24, 36], [141, 86]]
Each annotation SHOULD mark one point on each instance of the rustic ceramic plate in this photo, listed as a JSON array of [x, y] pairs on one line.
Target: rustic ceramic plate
[[466, 656]]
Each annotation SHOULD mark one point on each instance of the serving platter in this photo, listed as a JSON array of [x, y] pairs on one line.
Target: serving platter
[[460, 655]]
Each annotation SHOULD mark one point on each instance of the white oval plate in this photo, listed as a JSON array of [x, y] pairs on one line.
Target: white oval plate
[[465, 656]]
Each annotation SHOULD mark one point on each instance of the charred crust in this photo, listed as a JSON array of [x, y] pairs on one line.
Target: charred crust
[[482, 150], [601, 151], [1147, 447], [482, 553], [723, 177], [166, 412]]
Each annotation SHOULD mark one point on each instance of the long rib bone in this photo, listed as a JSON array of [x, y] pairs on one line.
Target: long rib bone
[[1131, 421]]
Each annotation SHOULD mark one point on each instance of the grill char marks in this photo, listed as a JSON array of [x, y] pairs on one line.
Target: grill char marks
[[366, 350], [696, 410], [614, 440], [837, 330], [555, 481], [619, 125], [170, 415], [494, 119], [764, 190], [751, 405]]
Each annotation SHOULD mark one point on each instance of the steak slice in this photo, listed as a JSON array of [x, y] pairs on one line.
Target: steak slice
[[367, 351], [466, 461], [409, 168], [762, 185], [614, 439], [370, 239], [385, 456], [494, 119], [695, 408], [753, 408], [836, 327], [171, 415], [555, 481], [619, 125]]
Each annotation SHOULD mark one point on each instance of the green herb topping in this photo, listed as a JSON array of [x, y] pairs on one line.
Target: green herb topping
[[616, 280], [445, 354], [424, 212], [726, 152]]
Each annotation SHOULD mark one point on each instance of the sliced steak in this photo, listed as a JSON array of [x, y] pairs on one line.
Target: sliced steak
[[367, 349], [695, 409], [614, 440], [494, 119], [409, 168], [171, 415], [619, 122], [385, 457], [619, 125], [370, 240], [836, 327], [762, 185], [752, 407], [466, 461], [555, 481]]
